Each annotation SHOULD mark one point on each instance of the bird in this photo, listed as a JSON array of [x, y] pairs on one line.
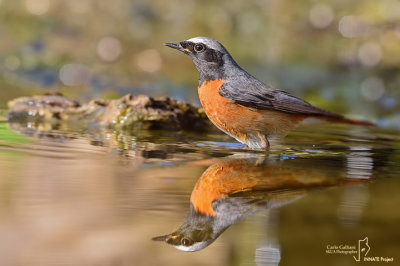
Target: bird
[[232, 189], [241, 105]]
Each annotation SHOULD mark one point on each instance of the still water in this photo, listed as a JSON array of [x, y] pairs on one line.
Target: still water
[[322, 196]]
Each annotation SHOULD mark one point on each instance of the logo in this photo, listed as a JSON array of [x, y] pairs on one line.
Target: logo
[[363, 249], [359, 251]]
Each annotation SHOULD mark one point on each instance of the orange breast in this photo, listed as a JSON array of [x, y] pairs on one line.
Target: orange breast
[[224, 113], [238, 120]]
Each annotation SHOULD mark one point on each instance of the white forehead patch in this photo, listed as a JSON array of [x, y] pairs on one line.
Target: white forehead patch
[[207, 41]]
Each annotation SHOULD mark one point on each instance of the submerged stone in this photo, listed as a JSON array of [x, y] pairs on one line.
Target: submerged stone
[[124, 113]]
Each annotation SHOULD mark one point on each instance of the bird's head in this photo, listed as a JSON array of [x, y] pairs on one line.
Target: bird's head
[[210, 57], [189, 237]]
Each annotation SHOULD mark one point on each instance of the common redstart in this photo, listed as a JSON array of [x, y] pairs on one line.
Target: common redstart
[[232, 189], [242, 106]]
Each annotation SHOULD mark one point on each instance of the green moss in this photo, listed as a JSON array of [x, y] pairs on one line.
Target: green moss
[[8, 135]]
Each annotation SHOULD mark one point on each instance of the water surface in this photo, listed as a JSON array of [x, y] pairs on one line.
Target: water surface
[[98, 197]]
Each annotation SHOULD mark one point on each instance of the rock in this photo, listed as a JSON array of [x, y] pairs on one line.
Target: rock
[[44, 107], [125, 113]]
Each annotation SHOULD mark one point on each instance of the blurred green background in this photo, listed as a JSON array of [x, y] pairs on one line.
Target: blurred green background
[[341, 55]]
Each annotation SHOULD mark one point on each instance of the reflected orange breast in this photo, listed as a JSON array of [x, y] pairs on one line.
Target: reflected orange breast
[[218, 181]]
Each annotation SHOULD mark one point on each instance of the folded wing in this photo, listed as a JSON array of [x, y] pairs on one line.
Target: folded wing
[[255, 94]]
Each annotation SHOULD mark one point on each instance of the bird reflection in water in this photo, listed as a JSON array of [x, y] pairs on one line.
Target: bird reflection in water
[[232, 189]]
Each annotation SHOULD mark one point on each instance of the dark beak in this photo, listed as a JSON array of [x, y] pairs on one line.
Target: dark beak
[[161, 238], [176, 46]]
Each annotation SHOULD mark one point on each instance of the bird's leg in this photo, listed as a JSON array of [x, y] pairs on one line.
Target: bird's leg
[[257, 141], [264, 141]]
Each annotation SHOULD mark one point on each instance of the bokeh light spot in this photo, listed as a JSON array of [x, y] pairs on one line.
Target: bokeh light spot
[[109, 49], [352, 26], [372, 88], [321, 16], [370, 54], [149, 60], [74, 74], [37, 7]]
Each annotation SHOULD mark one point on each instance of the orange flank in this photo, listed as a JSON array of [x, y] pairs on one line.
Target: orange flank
[[240, 121]]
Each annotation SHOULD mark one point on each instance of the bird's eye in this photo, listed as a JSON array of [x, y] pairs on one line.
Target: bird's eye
[[198, 47], [186, 242]]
